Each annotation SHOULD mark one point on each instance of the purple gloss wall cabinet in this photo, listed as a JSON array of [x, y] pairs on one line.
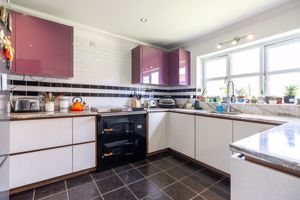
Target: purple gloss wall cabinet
[[43, 48], [150, 66], [180, 73]]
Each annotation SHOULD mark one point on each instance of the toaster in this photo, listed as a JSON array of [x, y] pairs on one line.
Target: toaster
[[166, 103], [27, 105]]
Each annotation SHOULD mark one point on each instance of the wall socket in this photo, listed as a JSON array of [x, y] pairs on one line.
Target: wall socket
[[3, 82]]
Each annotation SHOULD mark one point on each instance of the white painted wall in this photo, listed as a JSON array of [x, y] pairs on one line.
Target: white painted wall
[[278, 20]]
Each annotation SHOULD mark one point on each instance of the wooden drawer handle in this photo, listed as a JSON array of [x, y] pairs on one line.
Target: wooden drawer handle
[[108, 154], [108, 130]]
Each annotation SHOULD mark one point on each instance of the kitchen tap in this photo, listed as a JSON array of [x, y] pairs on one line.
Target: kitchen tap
[[229, 98]]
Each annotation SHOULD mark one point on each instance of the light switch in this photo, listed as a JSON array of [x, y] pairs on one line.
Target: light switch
[[3, 82]]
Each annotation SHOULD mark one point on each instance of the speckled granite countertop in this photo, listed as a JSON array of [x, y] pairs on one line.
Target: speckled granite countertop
[[46, 115]]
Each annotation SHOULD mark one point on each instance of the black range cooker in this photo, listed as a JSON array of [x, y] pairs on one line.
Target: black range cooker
[[121, 139]]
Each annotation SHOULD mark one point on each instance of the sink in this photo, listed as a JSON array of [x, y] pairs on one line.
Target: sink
[[225, 113]]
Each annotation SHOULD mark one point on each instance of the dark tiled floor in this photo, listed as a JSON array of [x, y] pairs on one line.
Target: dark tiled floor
[[160, 177]]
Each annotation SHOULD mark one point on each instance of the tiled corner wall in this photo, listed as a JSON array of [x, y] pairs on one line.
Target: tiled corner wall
[[102, 74]]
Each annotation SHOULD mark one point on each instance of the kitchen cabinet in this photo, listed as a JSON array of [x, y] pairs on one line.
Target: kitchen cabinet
[[38, 166], [84, 156], [84, 129], [181, 133], [253, 181], [242, 129], [213, 137], [29, 135], [150, 66], [43, 48], [180, 67], [157, 131]]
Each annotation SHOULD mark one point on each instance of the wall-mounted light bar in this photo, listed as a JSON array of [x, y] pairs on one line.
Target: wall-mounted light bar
[[236, 40]]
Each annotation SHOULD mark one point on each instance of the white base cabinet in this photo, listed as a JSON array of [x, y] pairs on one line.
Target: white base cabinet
[[213, 137], [181, 133], [38, 166], [157, 131], [251, 181], [84, 156]]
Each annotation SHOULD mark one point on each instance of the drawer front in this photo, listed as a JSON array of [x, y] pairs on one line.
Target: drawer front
[[39, 134], [84, 129], [84, 156], [38, 166]]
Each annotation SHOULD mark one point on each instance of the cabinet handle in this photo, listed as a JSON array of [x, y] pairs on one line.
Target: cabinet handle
[[108, 130], [108, 154]]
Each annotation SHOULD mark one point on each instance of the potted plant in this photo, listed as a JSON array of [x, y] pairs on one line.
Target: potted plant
[[261, 98], [253, 99], [279, 100], [290, 93], [241, 93], [49, 99], [272, 100]]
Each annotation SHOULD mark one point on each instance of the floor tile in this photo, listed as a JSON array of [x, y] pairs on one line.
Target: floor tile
[[121, 193], [51, 189], [209, 176], [108, 184], [97, 198], [157, 196], [148, 170], [123, 168], [165, 154], [27, 195], [224, 185], [78, 180], [59, 196], [143, 188], [196, 183], [84, 192], [102, 174], [198, 198], [131, 176], [154, 158], [140, 163], [162, 179], [178, 173], [175, 160], [163, 164], [178, 191], [215, 194], [191, 167]]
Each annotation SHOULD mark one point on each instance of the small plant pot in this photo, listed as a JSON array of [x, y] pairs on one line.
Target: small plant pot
[[253, 101], [272, 101], [240, 99], [49, 107], [289, 99], [279, 100], [267, 99], [247, 101], [261, 100]]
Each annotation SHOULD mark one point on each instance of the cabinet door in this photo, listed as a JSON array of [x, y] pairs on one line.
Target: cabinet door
[[242, 130], [157, 131], [28, 135], [84, 156], [180, 67], [84, 129], [44, 48], [213, 137], [38, 166], [181, 133]]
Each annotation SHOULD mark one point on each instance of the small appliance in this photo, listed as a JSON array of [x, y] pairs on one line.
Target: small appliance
[[166, 103], [152, 103], [77, 104], [27, 105]]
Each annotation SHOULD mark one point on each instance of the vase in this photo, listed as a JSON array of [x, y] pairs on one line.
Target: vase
[[272, 101], [49, 107]]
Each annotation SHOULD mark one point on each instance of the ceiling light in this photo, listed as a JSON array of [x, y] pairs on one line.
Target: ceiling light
[[236, 40], [143, 20], [250, 36], [219, 46]]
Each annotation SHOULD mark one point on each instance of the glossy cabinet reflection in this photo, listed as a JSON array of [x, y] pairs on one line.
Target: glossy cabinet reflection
[[180, 67], [43, 48], [150, 66]]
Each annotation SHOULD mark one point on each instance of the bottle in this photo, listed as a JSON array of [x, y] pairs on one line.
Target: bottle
[[219, 107]]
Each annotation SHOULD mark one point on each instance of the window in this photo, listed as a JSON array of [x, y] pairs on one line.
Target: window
[[268, 67]]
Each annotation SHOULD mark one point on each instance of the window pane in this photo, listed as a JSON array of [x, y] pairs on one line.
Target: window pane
[[278, 81], [250, 84], [245, 62], [283, 57], [155, 78], [215, 68], [214, 88]]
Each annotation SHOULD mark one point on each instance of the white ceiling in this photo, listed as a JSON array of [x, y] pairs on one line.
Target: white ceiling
[[170, 22]]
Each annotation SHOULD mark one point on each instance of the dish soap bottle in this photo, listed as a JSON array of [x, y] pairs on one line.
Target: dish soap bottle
[[219, 107]]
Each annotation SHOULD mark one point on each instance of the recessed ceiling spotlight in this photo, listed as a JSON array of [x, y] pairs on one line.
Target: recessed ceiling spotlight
[[143, 19], [250, 36], [219, 46]]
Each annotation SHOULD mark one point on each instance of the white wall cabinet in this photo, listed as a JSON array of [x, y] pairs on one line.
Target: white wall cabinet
[[181, 133], [38, 166], [84, 156], [157, 131], [28, 135], [251, 181], [213, 137], [242, 130], [84, 129]]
